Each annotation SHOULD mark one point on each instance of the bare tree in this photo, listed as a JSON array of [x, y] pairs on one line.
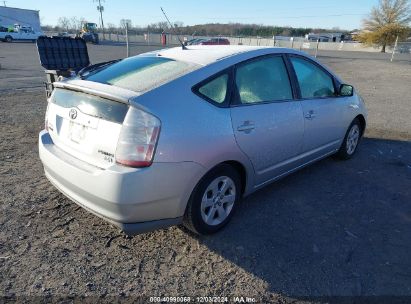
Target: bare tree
[[162, 25], [123, 23], [178, 24], [111, 27], [64, 23], [386, 21], [76, 23]]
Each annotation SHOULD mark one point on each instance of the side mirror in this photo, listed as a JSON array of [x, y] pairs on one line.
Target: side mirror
[[346, 90]]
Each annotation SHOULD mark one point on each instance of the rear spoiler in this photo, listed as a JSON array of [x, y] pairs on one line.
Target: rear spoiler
[[95, 91]]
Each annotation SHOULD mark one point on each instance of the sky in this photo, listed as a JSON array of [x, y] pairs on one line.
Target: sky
[[328, 14]]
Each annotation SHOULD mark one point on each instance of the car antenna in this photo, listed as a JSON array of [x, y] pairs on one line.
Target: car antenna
[[173, 29]]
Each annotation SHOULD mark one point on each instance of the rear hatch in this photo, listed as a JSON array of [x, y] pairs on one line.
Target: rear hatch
[[85, 115], [85, 126]]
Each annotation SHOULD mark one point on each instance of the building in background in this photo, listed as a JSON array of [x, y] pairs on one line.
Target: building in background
[[328, 37], [11, 18]]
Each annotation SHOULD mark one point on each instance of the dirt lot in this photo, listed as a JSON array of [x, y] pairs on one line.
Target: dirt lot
[[335, 229]]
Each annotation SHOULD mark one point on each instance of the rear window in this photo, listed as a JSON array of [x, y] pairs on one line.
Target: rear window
[[91, 105], [141, 73]]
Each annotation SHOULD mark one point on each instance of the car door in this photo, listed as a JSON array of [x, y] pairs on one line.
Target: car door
[[268, 123], [24, 34], [31, 35], [323, 111]]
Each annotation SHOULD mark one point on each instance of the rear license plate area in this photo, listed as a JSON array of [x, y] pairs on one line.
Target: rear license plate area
[[77, 132]]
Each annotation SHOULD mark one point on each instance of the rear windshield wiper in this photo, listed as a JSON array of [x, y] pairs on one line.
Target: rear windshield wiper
[[94, 68]]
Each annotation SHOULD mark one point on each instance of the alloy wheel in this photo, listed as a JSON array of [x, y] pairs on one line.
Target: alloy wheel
[[218, 200], [352, 139]]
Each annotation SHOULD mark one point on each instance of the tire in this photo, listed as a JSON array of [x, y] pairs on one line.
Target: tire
[[9, 39], [209, 210], [351, 140]]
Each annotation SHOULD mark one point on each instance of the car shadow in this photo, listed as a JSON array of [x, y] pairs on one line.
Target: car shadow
[[336, 228]]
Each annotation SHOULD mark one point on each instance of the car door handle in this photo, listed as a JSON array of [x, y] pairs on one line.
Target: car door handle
[[246, 127], [310, 115]]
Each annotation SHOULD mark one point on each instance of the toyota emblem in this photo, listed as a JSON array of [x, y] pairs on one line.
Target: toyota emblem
[[73, 113]]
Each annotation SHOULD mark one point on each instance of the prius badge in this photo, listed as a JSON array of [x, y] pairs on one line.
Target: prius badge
[[73, 113]]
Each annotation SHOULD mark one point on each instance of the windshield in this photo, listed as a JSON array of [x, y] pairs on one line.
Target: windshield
[[141, 73], [92, 26]]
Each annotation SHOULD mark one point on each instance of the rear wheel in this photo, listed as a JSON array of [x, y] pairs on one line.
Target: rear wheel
[[9, 39], [351, 141], [213, 200]]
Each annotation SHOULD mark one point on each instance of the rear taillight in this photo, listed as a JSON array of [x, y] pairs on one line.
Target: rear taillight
[[138, 139]]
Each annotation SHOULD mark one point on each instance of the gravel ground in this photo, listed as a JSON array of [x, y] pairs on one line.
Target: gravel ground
[[334, 229]]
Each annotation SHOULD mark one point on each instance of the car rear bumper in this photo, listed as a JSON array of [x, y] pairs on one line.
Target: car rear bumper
[[136, 200]]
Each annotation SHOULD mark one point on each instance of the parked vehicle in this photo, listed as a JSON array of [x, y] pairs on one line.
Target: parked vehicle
[[63, 34], [89, 32], [180, 136], [215, 41], [327, 37], [20, 33], [194, 41]]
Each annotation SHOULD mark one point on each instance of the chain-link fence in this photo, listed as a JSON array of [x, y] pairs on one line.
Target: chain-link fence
[[151, 39], [134, 37], [289, 42], [157, 40]]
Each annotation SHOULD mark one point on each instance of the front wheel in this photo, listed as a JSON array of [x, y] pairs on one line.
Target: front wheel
[[351, 141], [9, 39], [213, 201]]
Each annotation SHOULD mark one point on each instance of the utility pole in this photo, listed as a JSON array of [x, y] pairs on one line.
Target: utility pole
[[393, 50], [100, 8], [127, 44]]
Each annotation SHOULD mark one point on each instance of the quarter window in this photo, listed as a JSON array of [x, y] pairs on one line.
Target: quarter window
[[313, 81], [215, 89], [263, 80]]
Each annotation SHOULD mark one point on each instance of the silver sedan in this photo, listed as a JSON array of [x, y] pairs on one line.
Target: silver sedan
[[181, 135]]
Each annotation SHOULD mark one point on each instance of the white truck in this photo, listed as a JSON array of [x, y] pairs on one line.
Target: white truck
[[20, 33], [19, 24]]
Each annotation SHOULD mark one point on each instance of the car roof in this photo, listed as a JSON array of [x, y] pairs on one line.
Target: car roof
[[207, 54]]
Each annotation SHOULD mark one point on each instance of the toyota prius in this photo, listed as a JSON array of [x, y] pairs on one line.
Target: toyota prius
[[179, 136]]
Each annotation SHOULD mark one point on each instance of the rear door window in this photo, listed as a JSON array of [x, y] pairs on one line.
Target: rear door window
[[263, 80]]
